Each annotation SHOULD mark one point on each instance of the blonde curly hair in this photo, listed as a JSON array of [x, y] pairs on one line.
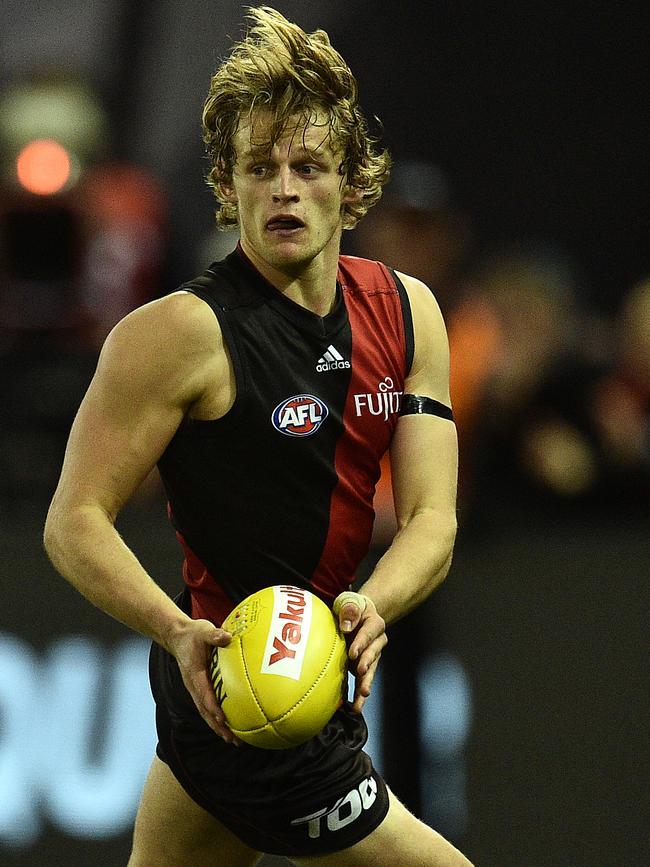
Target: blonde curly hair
[[291, 74]]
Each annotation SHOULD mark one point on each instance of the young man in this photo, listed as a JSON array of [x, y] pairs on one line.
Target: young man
[[267, 391]]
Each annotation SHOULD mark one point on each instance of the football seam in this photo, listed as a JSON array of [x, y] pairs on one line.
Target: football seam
[[250, 682], [311, 688], [258, 703]]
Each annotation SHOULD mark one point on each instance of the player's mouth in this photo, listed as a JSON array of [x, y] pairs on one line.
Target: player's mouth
[[285, 225]]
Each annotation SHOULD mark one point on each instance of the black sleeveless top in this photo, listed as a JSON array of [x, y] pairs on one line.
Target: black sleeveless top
[[280, 489]]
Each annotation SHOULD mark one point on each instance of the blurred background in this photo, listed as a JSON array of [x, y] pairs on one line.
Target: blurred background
[[512, 711]]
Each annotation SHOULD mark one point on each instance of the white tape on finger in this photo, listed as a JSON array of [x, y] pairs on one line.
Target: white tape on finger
[[349, 596]]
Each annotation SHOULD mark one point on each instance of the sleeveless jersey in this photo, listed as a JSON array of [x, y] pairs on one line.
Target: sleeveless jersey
[[280, 489]]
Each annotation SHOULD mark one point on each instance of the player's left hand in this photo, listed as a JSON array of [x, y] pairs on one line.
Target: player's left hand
[[365, 631]]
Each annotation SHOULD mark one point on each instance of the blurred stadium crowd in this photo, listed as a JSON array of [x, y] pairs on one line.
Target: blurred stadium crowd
[[551, 396]]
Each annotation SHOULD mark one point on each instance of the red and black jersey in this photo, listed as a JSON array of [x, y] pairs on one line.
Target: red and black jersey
[[280, 489]]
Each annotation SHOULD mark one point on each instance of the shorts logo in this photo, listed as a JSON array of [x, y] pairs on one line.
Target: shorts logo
[[299, 416], [288, 632], [345, 811]]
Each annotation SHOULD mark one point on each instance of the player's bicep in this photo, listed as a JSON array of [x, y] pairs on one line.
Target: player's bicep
[[424, 450], [111, 449], [127, 417], [424, 467], [429, 374]]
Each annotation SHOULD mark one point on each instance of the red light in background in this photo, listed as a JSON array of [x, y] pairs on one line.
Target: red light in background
[[43, 167]]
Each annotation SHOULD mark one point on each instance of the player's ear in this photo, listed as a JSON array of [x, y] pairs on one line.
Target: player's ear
[[226, 192], [352, 195], [224, 185]]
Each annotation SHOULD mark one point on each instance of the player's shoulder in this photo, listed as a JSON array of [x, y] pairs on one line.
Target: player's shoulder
[[180, 311], [180, 319], [167, 347], [357, 272], [416, 288], [421, 297], [363, 269]]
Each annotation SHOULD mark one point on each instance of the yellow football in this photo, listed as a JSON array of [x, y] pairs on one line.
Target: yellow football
[[282, 676]]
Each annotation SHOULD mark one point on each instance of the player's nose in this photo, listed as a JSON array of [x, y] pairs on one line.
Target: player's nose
[[284, 187]]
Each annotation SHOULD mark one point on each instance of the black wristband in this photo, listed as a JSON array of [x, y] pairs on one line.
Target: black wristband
[[415, 404]]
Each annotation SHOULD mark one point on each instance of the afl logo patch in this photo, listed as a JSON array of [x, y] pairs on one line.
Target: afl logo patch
[[299, 416]]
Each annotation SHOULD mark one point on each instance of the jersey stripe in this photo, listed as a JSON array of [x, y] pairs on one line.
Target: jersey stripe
[[378, 354]]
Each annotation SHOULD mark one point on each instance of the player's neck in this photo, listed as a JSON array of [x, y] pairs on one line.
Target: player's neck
[[312, 285], [317, 293]]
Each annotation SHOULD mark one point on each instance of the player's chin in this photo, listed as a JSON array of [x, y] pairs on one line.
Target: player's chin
[[292, 250]]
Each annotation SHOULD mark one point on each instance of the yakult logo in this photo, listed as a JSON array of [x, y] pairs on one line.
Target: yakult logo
[[288, 632], [384, 402], [299, 416]]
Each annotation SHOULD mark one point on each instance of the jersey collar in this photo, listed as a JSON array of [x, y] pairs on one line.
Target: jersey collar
[[296, 313]]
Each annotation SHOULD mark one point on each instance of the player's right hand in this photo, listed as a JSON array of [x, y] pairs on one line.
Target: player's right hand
[[192, 646]]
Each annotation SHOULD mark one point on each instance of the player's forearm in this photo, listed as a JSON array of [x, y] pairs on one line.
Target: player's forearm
[[87, 550], [416, 562]]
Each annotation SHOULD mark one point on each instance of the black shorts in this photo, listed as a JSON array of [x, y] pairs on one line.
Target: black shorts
[[319, 797]]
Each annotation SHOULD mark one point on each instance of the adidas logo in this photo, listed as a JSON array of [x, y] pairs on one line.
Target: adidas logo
[[331, 360]]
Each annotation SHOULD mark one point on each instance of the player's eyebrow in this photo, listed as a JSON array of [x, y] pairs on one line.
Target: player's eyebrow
[[298, 152]]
